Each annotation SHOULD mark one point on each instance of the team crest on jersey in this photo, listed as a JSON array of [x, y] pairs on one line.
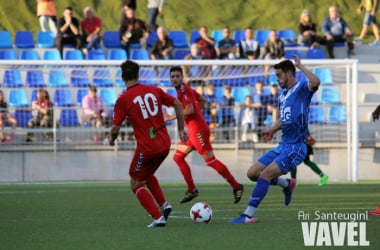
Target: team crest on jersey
[[286, 113]]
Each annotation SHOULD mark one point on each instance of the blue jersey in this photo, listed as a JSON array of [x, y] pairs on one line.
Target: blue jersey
[[294, 113]]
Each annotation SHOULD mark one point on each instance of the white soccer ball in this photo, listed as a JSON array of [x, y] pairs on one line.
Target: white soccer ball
[[201, 212]]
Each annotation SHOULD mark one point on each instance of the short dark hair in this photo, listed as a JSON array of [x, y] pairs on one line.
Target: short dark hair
[[286, 66], [176, 68], [129, 70]]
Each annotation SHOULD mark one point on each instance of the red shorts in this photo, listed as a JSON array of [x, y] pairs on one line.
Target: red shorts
[[199, 139], [145, 164]]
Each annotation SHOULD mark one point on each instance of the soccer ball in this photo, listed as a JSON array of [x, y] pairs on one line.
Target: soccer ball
[[201, 212]]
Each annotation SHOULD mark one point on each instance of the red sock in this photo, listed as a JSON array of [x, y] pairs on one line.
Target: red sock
[[155, 189], [146, 200], [179, 158], [223, 171]]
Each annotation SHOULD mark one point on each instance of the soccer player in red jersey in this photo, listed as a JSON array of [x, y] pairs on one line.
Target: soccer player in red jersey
[[199, 133], [142, 105]]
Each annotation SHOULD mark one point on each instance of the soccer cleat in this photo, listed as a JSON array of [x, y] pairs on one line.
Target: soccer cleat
[[238, 193], [375, 212], [166, 209], [190, 195], [243, 219], [323, 180], [289, 190], [160, 222]]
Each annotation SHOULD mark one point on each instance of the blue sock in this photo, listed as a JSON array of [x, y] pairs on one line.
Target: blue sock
[[259, 192]]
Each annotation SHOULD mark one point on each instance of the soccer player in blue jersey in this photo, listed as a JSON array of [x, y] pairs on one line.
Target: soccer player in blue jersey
[[291, 151]]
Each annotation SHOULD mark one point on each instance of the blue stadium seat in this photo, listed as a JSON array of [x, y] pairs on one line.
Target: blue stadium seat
[[194, 36], [217, 35], [73, 55], [101, 78], [12, 78], [164, 76], [196, 71], [288, 36], [238, 35], [5, 40], [108, 96], [289, 52], [33, 96], [330, 95], [135, 46], [317, 53], [57, 78], [79, 78], [261, 36], [79, 96], [255, 74], [52, 54], [45, 39], [316, 115], [336, 114], [118, 81], [147, 76], [216, 77], [62, 98], [139, 54], [69, 118], [24, 39], [22, 117], [8, 54], [152, 38], [314, 99], [96, 54], [234, 76], [117, 54], [239, 94], [172, 92], [17, 98], [29, 54], [35, 79], [179, 38], [219, 93], [111, 39], [324, 75], [179, 54]]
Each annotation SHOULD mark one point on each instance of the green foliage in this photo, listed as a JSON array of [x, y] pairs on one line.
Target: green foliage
[[108, 216], [190, 15]]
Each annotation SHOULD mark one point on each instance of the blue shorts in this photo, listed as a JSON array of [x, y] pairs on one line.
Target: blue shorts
[[368, 19], [287, 156]]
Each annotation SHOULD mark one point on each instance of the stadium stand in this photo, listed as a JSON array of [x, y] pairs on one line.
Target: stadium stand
[[5, 40], [18, 98], [8, 54], [57, 79], [111, 39], [179, 38], [45, 39], [62, 98], [24, 39], [117, 54], [52, 54], [29, 54], [12, 78]]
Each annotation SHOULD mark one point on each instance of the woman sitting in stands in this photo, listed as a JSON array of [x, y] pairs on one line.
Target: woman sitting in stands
[[5, 117]]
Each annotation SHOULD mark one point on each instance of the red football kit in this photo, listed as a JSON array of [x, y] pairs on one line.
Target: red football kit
[[142, 105], [197, 128]]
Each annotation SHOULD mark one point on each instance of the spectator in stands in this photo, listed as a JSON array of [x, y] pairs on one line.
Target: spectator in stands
[[155, 8], [206, 44], [228, 113], [227, 46], [91, 27], [370, 7], [5, 117], [260, 105], [209, 110], [163, 47], [94, 112], [336, 29], [68, 31], [44, 117], [273, 102], [133, 30], [47, 15], [308, 31], [249, 48], [126, 4], [195, 74], [247, 119], [273, 49]]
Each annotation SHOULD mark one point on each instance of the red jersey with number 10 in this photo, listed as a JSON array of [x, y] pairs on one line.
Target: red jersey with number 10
[[142, 105]]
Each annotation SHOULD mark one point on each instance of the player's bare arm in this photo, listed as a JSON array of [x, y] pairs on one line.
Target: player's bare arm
[[113, 134], [314, 80], [376, 113], [269, 132]]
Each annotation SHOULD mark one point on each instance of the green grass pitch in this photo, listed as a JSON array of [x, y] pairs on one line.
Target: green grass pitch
[[108, 216]]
